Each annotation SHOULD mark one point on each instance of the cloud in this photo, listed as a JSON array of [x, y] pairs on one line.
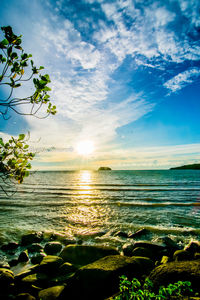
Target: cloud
[[182, 79]]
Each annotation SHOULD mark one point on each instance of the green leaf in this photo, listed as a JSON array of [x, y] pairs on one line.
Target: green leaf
[[1, 142], [21, 136]]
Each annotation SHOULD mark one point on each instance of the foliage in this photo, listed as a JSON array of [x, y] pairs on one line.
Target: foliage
[[13, 62], [134, 290], [15, 156]]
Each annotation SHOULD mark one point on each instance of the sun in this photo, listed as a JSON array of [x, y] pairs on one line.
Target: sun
[[85, 148]]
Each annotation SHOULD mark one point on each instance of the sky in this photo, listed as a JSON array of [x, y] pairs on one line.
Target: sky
[[125, 77]]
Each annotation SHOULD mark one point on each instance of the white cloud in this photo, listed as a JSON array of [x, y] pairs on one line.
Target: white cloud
[[182, 79]]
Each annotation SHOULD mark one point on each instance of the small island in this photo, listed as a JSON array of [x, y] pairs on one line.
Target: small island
[[104, 169], [187, 167]]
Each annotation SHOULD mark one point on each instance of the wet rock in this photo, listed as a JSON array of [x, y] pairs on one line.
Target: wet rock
[[50, 263], [170, 245], [37, 279], [69, 241], [180, 255], [35, 247], [25, 296], [127, 249], [175, 271], [51, 293], [197, 255], [52, 248], [26, 273], [100, 279], [31, 238], [23, 257], [83, 255], [121, 234], [13, 262], [192, 247], [148, 245], [36, 259], [144, 252], [10, 246], [138, 233], [165, 259], [6, 279], [66, 268]]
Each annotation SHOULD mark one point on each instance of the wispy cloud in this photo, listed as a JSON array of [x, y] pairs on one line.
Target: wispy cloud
[[182, 79]]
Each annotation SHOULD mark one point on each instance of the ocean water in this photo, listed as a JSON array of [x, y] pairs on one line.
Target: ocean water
[[93, 206]]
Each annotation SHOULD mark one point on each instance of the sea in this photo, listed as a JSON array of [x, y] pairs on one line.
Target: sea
[[94, 206]]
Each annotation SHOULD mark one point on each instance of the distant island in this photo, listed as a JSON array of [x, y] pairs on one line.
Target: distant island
[[187, 167], [104, 169]]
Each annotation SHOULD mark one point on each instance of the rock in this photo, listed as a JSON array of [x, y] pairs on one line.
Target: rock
[[35, 247], [31, 238], [6, 279], [67, 268], [26, 273], [36, 259], [192, 247], [37, 279], [100, 279], [182, 255], [51, 293], [175, 271], [50, 263], [52, 248], [164, 260], [13, 262], [10, 246], [151, 246], [23, 257], [197, 255], [25, 296], [83, 255], [170, 245], [143, 252], [121, 234], [138, 233], [127, 249], [69, 241]]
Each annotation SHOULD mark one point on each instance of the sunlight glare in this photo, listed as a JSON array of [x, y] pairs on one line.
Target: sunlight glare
[[85, 148]]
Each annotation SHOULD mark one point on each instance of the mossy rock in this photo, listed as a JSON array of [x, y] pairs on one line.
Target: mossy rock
[[83, 255], [144, 252], [25, 296], [180, 255], [51, 293], [52, 248], [6, 277], [66, 268], [35, 247], [100, 279], [31, 238], [175, 271], [36, 259], [50, 263]]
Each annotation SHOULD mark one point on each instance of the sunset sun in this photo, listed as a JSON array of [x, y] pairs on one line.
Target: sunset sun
[[85, 148]]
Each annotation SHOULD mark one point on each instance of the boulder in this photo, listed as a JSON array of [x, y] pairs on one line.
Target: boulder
[[52, 248], [13, 262], [51, 293], [10, 246], [175, 271], [83, 255], [100, 279], [66, 268], [23, 257], [35, 247], [6, 280], [182, 255], [36, 259], [151, 246], [25, 296], [37, 279], [144, 252], [127, 249], [50, 263], [170, 245], [31, 238], [121, 234], [193, 247]]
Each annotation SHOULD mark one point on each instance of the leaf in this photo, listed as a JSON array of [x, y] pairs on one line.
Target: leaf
[[1, 142], [21, 136]]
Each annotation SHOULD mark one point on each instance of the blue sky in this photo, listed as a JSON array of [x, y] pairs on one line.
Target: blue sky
[[125, 76]]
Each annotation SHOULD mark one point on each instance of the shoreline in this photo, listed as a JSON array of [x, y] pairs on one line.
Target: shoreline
[[55, 262]]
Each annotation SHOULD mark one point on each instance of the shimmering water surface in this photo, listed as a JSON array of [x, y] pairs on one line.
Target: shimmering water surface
[[93, 205]]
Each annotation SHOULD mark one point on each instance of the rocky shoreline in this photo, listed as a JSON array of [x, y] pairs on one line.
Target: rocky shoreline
[[41, 267]]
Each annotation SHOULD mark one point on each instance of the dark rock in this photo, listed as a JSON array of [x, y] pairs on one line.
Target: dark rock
[[36, 259], [9, 247], [26, 273], [31, 238], [36, 279], [6, 279], [193, 247], [170, 245], [13, 262], [68, 241], [83, 255], [25, 296], [35, 247], [197, 255], [51, 293], [143, 252], [23, 257], [138, 233], [121, 234], [52, 248], [148, 245], [67, 268], [127, 249], [101, 278], [182, 255], [175, 271], [50, 263]]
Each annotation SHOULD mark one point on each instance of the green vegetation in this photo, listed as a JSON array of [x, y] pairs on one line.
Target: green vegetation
[[188, 167], [134, 290], [14, 154]]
